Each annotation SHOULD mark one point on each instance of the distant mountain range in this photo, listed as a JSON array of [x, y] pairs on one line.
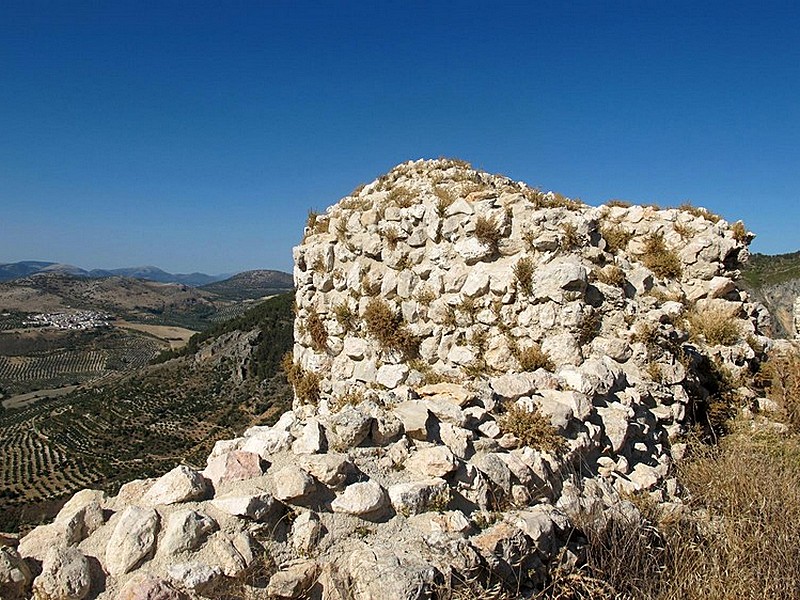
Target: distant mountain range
[[28, 268]]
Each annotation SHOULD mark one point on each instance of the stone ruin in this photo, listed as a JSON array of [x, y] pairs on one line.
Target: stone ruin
[[477, 364]]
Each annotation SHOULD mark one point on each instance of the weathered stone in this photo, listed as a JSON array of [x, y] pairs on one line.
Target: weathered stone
[[15, 576], [178, 485], [347, 428], [185, 530], [456, 439], [494, 468], [360, 499], [65, 575], [292, 483], [194, 576], [267, 441], [414, 415], [451, 392], [294, 580], [254, 507], [233, 466], [145, 586], [331, 469], [419, 496], [132, 541], [390, 376], [306, 532], [234, 552], [435, 461], [512, 386]]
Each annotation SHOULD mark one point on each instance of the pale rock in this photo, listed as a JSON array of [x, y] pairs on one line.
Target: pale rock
[[15, 575], [559, 413], [472, 251], [311, 439], [331, 469], [490, 429], [551, 280], [537, 523], [233, 551], [644, 476], [248, 506], [365, 371], [132, 541], [419, 496], [185, 530], [386, 428], [65, 575], [359, 499], [615, 348], [414, 415], [347, 428], [391, 376], [461, 355], [502, 540], [445, 411], [459, 207], [355, 348], [224, 446], [178, 485], [294, 580], [491, 465], [512, 386], [451, 521], [434, 461], [378, 573], [615, 424], [292, 483], [580, 404], [476, 284], [562, 349], [194, 576], [451, 392], [237, 465], [307, 531], [145, 586], [267, 442]]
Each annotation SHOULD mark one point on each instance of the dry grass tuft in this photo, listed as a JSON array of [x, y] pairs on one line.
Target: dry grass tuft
[[618, 203], [346, 317], [783, 373], [316, 329], [699, 212], [401, 197], [523, 274], [444, 198], [305, 383], [739, 231], [616, 237], [662, 261], [611, 275], [488, 232], [392, 236], [388, 328], [715, 326], [531, 428], [570, 237], [532, 358]]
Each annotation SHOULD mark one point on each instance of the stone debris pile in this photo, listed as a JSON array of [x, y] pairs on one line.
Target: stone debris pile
[[475, 364]]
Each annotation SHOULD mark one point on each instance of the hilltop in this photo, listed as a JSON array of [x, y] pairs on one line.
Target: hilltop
[[498, 392], [9, 271], [252, 284]]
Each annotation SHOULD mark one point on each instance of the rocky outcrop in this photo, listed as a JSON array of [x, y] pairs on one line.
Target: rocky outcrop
[[476, 363]]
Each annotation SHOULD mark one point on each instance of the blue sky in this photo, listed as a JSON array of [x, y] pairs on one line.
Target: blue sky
[[196, 135]]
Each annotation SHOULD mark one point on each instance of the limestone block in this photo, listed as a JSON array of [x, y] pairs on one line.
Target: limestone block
[[294, 580], [65, 575], [391, 376], [414, 416], [249, 506], [178, 485], [330, 469], [237, 465], [292, 483], [311, 439], [360, 499], [434, 461], [419, 496], [185, 530], [133, 540]]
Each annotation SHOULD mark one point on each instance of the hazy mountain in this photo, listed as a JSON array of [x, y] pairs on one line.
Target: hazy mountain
[[9, 271]]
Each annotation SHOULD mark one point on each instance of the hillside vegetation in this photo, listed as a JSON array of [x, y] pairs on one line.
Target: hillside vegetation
[[145, 423]]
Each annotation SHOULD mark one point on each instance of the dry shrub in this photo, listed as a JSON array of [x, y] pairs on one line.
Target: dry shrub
[[469, 307], [532, 358], [317, 331], [616, 237], [570, 237], [739, 231], [699, 212], [392, 235], [782, 371], [401, 197], [716, 325], [619, 203], [684, 230], [531, 429], [388, 328], [611, 275], [488, 232], [523, 274], [662, 261], [444, 198], [370, 287], [425, 295], [738, 539], [346, 316], [305, 383]]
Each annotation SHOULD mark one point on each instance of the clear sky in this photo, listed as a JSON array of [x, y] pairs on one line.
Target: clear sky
[[196, 135]]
